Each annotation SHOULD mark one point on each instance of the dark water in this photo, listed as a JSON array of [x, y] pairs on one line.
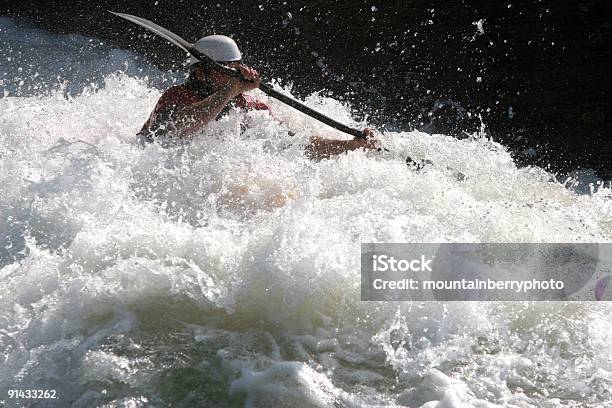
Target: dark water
[[535, 71]]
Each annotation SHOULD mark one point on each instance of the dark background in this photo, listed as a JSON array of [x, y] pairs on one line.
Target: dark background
[[537, 73]]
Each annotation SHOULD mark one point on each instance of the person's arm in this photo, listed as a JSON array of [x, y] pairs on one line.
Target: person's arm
[[319, 148], [197, 115]]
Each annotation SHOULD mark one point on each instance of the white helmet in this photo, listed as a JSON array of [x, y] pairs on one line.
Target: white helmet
[[218, 47]]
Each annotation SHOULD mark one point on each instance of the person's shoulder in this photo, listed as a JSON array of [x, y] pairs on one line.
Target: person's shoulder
[[177, 91], [176, 95]]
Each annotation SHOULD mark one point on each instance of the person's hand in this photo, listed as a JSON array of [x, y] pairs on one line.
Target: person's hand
[[369, 140], [250, 79]]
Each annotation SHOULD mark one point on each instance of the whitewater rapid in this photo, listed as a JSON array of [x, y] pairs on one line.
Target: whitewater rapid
[[226, 272]]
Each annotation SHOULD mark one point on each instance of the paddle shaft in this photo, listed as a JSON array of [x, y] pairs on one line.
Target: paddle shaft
[[268, 90], [205, 59]]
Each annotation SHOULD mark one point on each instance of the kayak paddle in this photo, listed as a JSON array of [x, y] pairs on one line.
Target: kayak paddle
[[266, 88]]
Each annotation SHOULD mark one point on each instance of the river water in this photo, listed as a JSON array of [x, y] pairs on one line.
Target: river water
[[226, 272]]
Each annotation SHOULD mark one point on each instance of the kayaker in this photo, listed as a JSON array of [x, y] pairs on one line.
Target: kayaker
[[184, 110]]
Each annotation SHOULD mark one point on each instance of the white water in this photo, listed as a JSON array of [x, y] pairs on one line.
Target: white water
[[148, 277]]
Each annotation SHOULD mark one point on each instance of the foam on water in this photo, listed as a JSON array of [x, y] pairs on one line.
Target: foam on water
[[226, 272]]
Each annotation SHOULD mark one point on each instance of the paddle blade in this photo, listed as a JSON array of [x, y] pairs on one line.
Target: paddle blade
[[161, 31], [176, 40]]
